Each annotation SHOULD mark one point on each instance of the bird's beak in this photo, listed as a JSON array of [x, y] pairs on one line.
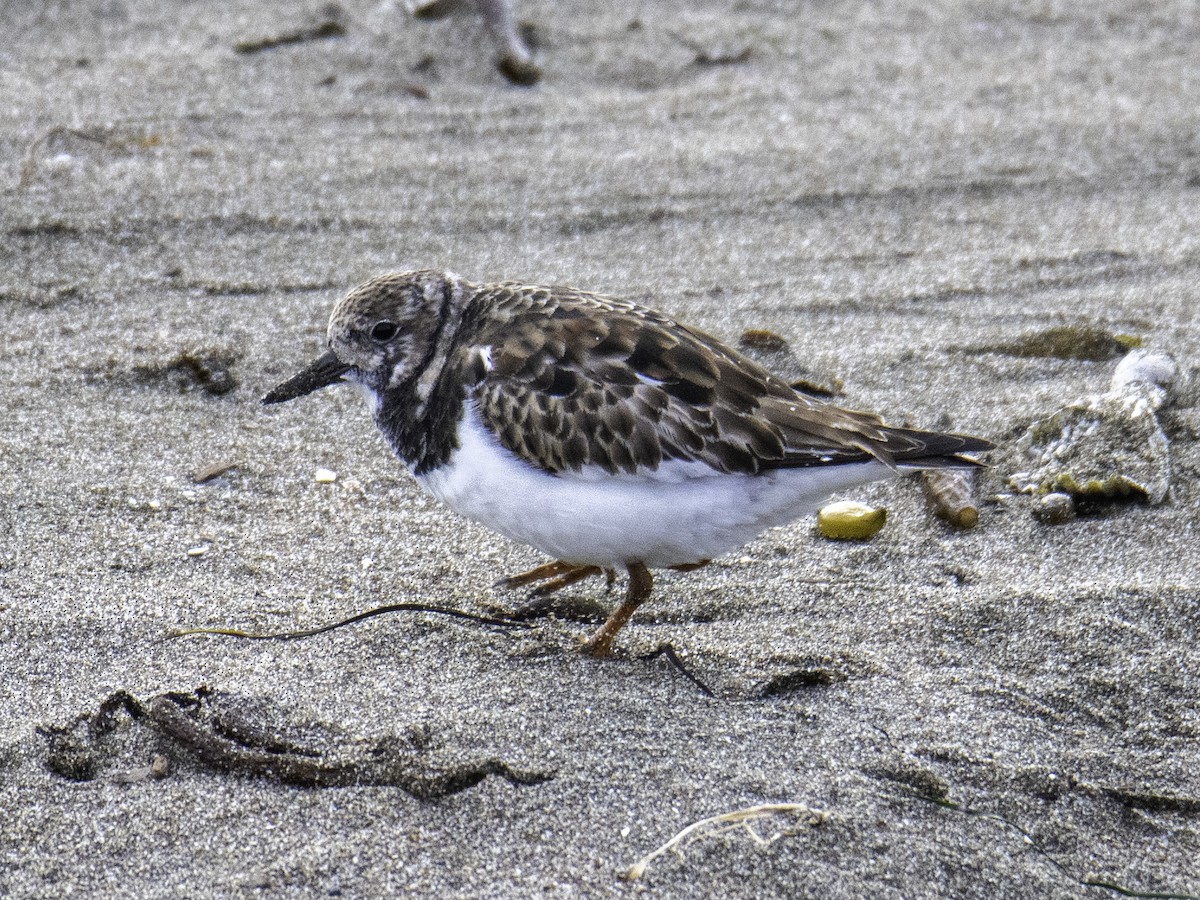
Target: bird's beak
[[323, 372]]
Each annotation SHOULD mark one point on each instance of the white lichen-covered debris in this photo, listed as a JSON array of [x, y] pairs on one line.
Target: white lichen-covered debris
[[1108, 446]]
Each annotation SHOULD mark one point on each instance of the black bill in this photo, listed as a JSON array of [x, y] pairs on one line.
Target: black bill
[[323, 372]]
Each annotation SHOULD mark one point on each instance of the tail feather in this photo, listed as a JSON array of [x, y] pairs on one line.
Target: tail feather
[[937, 450]]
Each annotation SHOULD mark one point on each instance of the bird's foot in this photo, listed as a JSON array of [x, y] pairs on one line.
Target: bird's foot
[[556, 575], [641, 583], [559, 574]]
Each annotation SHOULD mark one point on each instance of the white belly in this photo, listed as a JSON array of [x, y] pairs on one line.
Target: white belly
[[682, 513]]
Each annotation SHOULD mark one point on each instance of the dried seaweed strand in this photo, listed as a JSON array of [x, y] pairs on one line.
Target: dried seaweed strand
[[668, 651], [358, 617]]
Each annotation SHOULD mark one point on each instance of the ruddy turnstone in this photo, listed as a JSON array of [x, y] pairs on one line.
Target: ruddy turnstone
[[605, 434]]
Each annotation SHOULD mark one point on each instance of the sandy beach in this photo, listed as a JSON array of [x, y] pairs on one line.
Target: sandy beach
[[910, 194]]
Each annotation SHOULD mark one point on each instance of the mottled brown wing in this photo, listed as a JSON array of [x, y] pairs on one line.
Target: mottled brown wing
[[567, 379]]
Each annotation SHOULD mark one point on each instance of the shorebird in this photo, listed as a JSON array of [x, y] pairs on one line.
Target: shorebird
[[604, 433]]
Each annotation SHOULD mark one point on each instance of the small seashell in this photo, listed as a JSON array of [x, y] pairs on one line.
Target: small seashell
[[325, 476], [198, 550], [850, 521]]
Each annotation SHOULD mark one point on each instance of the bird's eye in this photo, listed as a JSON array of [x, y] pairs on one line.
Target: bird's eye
[[383, 331]]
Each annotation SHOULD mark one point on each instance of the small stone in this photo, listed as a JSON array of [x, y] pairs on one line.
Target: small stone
[[207, 473], [160, 767], [198, 550], [60, 163], [325, 476], [1055, 509]]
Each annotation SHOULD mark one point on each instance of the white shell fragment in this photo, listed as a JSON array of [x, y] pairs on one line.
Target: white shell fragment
[[198, 550], [850, 521], [325, 476], [1156, 370], [1107, 446]]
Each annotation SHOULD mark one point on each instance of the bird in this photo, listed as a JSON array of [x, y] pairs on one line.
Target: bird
[[603, 433]]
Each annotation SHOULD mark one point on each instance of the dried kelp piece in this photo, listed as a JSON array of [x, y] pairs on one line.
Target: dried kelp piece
[[1109, 446], [797, 680], [209, 369], [671, 655], [81, 749], [507, 622], [242, 736], [1082, 342], [331, 22]]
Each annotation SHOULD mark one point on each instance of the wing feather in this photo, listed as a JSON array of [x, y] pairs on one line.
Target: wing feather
[[578, 380]]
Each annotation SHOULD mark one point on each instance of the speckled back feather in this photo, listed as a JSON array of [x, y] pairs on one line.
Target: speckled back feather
[[568, 379]]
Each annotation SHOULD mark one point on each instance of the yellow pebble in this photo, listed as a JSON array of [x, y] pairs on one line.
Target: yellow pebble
[[850, 521]]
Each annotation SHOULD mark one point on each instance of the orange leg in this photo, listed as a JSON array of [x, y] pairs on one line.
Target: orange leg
[[641, 583]]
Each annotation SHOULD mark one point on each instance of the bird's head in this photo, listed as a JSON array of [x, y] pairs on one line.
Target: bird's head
[[381, 334]]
